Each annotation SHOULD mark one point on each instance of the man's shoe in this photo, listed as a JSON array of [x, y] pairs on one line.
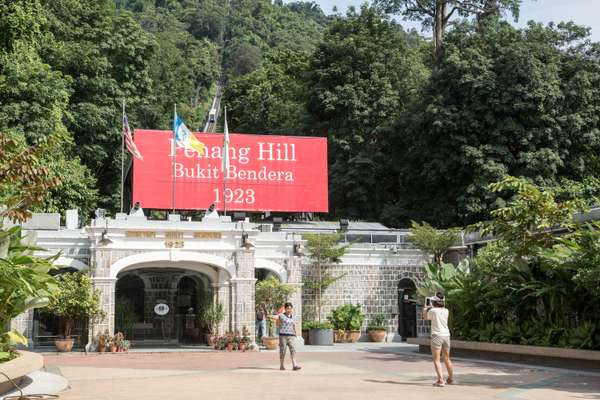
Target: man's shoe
[[451, 381], [297, 367], [282, 368], [439, 383]]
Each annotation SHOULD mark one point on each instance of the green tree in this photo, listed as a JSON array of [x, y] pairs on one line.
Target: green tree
[[437, 14], [75, 300], [433, 241], [272, 293], [363, 75], [502, 101], [271, 99], [324, 250]]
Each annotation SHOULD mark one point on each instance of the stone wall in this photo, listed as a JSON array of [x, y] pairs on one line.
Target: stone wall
[[374, 287]]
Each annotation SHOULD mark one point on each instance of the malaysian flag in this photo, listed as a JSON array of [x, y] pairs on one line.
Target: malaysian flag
[[129, 139]]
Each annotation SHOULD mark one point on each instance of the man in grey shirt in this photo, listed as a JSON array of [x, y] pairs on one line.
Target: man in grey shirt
[[437, 313]]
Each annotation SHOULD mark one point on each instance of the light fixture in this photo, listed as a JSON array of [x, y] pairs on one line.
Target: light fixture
[[344, 224], [298, 249], [246, 241], [105, 239]]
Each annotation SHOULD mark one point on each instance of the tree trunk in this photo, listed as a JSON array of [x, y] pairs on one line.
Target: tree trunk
[[439, 26], [320, 291]]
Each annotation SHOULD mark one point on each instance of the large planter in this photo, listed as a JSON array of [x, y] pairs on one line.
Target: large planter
[[26, 363], [377, 335], [305, 336], [339, 336], [270, 342], [63, 345], [352, 336], [320, 337], [210, 339]]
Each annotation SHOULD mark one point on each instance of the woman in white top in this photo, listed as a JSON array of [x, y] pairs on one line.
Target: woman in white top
[[437, 313]]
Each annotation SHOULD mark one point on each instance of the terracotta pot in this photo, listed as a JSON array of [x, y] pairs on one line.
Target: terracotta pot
[[113, 349], [339, 336], [377, 336], [229, 346], [352, 336], [210, 339], [242, 347], [63, 345], [305, 336], [270, 342], [101, 349]]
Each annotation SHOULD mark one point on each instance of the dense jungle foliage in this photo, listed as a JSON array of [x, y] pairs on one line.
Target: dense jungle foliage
[[530, 286], [417, 128]]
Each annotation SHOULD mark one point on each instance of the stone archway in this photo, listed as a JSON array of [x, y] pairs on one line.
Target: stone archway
[[269, 267]]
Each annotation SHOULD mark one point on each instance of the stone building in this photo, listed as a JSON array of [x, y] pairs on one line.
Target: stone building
[[176, 265]]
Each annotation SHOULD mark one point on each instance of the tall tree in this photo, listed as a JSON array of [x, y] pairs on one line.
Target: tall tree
[[509, 101], [437, 14], [363, 75]]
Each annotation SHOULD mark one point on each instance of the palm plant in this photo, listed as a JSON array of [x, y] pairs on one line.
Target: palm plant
[[24, 284]]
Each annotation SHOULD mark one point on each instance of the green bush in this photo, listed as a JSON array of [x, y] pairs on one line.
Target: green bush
[[307, 325], [527, 286], [377, 323], [347, 317]]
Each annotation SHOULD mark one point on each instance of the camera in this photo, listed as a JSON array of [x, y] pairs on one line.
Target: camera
[[438, 298]]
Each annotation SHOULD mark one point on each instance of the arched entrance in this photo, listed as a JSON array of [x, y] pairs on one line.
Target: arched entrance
[[129, 304], [407, 308], [158, 305], [262, 273]]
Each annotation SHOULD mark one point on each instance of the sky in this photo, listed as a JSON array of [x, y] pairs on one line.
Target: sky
[[582, 12]]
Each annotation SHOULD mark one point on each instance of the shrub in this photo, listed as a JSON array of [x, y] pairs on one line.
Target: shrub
[[377, 323]]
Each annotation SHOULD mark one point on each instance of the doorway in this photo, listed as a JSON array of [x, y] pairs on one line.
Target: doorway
[[407, 308]]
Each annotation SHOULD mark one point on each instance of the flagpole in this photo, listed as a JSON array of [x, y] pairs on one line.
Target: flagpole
[[174, 158], [225, 170], [122, 154]]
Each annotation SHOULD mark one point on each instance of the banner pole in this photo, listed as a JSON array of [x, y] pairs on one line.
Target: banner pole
[[122, 154], [225, 171], [174, 158]]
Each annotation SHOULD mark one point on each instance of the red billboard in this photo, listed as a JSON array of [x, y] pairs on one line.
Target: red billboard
[[266, 173]]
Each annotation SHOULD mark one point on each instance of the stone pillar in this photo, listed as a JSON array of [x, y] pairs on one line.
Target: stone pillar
[[107, 301], [294, 269], [243, 289], [221, 294], [243, 305], [24, 324]]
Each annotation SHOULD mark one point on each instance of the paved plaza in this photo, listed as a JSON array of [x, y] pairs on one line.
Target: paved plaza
[[358, 371]]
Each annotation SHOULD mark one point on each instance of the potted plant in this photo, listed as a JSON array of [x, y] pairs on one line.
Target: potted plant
[[245, 339], [74, 300], [347, 321], [272, 293], [324, 251], [102, 341], [338, 320], [210, 316], [354, 321], [229, 341], [126, 345], [118, 341], [306, 326], [376, 328]]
